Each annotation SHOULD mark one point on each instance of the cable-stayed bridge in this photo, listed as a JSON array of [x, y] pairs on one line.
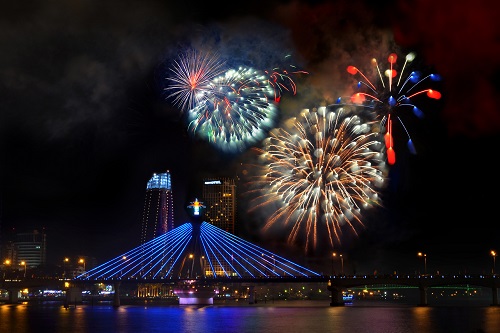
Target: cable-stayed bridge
[[196, 256], [197, 250]]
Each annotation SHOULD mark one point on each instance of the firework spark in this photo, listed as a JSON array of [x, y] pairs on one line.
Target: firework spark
[[235, 111], [192, 74], [388, 99], [321, 174], [280, 78]]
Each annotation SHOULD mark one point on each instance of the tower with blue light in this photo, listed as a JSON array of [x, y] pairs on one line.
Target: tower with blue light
[[158, 213]]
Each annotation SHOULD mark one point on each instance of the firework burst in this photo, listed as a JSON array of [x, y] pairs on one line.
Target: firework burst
[[281, 78], [321, 173], [235, 110], [192, 74], [392, 96]]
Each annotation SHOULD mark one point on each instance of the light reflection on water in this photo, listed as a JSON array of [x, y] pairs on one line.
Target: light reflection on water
[[282, 317]]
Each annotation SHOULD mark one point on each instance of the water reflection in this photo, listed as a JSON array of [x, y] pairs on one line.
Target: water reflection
[[283, 317]]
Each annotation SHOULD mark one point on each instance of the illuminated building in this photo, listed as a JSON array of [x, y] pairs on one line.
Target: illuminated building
[[219, 196], [158, 213], [31, 248]]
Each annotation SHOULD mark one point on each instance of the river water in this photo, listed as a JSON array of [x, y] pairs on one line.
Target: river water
[[279, 317]]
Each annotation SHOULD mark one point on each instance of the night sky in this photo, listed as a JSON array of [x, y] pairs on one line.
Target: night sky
[[84, 122]]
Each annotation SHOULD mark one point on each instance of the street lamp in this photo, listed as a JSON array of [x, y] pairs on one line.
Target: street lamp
[[203, 271], [24, 263], [6, 263], [124, 258], [333, 257], [82, 261], [420, 254], [191, 256], [494, 255], [341, 262], [65, 266]]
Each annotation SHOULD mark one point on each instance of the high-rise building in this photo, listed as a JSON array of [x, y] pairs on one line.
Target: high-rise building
[[158, 213], [219, 197], [31, 248], [9, 252]]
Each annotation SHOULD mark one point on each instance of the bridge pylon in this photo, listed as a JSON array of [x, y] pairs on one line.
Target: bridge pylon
[[13, 295], [73, 296], [336, 295], [423, 295], [494, 291], [116, 296], [251, 294]]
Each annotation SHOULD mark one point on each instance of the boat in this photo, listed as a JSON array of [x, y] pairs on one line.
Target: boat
[[347, 297], [191, 292]]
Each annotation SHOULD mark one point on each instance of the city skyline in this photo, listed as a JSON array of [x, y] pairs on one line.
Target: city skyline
[[84, 123]]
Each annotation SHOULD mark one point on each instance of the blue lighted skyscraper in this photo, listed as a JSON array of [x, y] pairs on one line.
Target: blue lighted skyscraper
[[158, 213]]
